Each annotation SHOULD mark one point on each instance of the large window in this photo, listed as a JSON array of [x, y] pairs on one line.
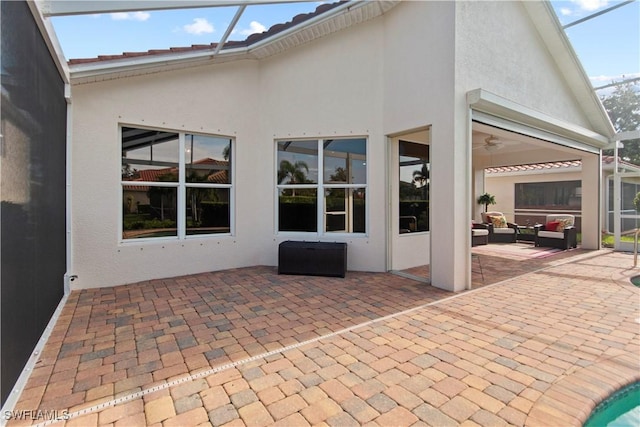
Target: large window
[[322, 185], [175, 184], [414, 187], [556, 195]]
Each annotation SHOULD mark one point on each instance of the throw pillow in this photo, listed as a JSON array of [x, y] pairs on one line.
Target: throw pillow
[[552, 226], [563, 223], [499, 221]]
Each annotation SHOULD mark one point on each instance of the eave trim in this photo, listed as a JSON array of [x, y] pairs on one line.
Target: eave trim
[[489, 103]]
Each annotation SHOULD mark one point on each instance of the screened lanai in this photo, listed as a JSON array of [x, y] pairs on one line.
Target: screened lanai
[[115, 96]]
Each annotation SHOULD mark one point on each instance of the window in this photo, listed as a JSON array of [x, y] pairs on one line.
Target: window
[[175, 184], [556, 195], [413, 208], [334, 170]]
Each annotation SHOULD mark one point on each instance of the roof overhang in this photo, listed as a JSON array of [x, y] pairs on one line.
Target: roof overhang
[[336, 19], [556, 40], [480, 100]]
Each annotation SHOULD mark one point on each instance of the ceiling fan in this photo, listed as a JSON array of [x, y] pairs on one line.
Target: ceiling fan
[[491, 143]]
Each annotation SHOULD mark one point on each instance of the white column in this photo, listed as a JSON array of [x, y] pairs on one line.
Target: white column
[[450, 201], [591, 196]]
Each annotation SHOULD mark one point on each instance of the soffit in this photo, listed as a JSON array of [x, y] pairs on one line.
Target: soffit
[[497, 111]]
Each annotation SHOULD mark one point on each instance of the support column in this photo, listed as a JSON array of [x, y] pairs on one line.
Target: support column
[[450, 200], [591, 196]]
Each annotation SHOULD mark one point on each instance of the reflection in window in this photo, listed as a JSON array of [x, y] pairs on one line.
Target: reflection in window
[[149, 155], [298, 209], [153, 177], [149, 211], [207, 159], [414, 187], [344, 161], [343, 185], [208, 210]]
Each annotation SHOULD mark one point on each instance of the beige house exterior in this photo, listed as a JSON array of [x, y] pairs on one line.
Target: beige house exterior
[[431, 73]]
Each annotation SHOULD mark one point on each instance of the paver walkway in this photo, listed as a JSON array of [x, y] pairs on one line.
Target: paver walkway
[[250, 347]]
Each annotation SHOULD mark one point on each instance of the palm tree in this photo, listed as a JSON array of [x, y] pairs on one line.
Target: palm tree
[[486, 199], [295, 172], [421, 177]]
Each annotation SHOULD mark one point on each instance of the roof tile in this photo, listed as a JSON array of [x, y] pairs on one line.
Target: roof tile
[[251, 39]]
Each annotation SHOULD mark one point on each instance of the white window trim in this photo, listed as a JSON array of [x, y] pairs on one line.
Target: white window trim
[[181, 186], [320, 187]]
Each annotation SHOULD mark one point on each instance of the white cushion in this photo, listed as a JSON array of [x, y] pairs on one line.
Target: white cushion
[[479, 232], [503, 231], [557, 217], [552, 234]]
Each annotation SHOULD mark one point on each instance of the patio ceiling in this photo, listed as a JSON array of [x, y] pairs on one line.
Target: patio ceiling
[[495, 147]]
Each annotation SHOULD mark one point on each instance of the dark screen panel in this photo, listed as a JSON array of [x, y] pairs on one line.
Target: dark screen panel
[[33, 255]]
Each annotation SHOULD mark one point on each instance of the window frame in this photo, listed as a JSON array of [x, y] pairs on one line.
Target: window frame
[[321, 187], [181, 188]]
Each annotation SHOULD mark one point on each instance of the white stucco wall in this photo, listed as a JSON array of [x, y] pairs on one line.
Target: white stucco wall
[[419, 83], [195, 100], [499, 50], [409, 69], [341, 85]]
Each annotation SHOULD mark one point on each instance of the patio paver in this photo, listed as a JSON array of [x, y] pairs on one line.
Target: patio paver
[[250, 347]]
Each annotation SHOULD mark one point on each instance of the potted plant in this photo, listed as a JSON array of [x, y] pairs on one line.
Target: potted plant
[[486, 199], [636, 202]]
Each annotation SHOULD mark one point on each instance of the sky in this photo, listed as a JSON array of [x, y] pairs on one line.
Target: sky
[[608, 46]]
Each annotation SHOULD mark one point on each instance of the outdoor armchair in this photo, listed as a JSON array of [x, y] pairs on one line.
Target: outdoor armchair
[[500, 231], [558, 231], [479, 234]]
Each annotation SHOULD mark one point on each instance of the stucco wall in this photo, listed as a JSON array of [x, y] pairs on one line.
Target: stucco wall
[[330, 88], [498, 49], [196, 100], [408, 69]]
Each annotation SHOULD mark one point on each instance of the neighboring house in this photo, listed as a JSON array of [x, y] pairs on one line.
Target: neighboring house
[[527, 193]]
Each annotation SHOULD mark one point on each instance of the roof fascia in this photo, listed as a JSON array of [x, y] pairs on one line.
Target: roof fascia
[[259, 50], [489, 103], [556, 40], [75, 7], [93, 71]]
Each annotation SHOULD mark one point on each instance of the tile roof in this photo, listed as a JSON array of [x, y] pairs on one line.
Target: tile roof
[[606, 160], [153, 175], [535, 167], [250, 40]]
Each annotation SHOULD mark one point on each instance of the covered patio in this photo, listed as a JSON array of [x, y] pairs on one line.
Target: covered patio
[[250, 347]]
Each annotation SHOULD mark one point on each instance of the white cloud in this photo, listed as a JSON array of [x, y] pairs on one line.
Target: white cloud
[[130, 16], [199, 26], [591, 5], [565, 11], [254, 27]]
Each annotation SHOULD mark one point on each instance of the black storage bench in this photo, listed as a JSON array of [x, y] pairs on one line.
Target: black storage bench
[[312, 258]]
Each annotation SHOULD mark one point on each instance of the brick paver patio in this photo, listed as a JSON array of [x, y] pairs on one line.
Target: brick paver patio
[[250, 347]]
